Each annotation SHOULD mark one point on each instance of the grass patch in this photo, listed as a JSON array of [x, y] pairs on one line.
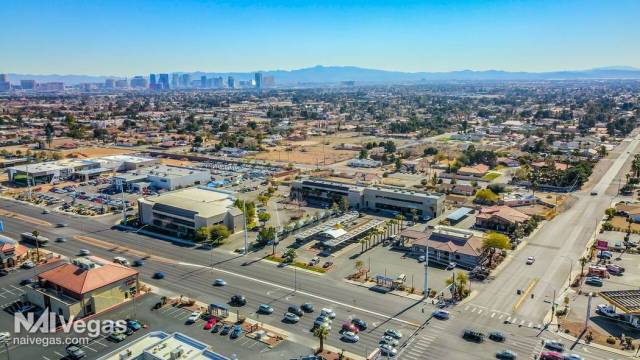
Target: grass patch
[[491, 176], [297, 264]]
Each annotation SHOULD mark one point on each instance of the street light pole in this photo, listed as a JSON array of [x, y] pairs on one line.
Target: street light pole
[[244, 217], [426, 272]]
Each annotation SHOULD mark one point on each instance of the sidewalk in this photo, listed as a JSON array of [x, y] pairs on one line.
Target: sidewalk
[[370, 284]]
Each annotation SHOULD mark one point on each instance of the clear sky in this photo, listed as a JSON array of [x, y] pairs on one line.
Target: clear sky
[[128, 37]]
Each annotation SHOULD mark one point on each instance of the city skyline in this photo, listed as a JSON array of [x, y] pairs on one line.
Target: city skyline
[[123, 39]]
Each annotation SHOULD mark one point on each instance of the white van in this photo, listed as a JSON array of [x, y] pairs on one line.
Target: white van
[[120, 260]]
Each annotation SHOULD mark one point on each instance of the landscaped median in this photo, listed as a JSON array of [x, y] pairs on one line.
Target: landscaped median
[[296, 264]]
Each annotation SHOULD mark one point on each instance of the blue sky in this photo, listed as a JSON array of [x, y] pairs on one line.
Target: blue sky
[[114, 37]]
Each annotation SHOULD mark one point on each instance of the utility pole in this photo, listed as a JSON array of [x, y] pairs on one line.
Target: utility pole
[[426, 272], [244, 217]]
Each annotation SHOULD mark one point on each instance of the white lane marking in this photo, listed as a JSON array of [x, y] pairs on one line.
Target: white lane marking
[[301, 292], [501, 316], [530, 324], [61, 356], [473, 310], [466, 308], [480, 311], [493, 315]]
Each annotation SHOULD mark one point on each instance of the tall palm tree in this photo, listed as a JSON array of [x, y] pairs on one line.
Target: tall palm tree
[[321, 332], [583, 261], [400, 218], [35, 234]]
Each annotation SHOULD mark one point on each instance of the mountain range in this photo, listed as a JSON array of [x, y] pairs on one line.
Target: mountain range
[[335, 74]]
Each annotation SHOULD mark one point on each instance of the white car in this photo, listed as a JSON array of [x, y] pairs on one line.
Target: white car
[[531, 260], [219, 282], [28, 264], [291, 317], [422, 258], [194, 317], [328, 313], [350, 336], [573, 357], [84, 252]]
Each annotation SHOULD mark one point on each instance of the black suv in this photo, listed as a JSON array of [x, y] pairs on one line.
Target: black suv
[[359, 323], [295, 309], [238, 300], [473, 335]]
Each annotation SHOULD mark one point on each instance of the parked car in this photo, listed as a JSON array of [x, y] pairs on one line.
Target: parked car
[[422, 258], [194, 317], [506, 355], [307, 307], [441, 314], [531, 260], [350, 336], [27, 281], [3, 272], [238, 300], [573, 357], [209, 324], [554, 345], [133, 324], [594, 280], [236, 332], [117, 336], [225, 329], [606, 255], [216, 328], [28, 264], [75, 353], [291, 317], [451, 266], [615, 269], [321, 320], [497, 336], [393, 333]]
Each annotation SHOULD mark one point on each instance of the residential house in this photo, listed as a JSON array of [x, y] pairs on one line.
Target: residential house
[[500, 218], [478, 170]]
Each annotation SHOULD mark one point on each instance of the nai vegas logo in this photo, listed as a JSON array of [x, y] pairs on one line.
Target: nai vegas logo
[[50, 322]]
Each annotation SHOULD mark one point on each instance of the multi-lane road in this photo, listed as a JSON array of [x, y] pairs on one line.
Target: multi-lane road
[[190, 272]]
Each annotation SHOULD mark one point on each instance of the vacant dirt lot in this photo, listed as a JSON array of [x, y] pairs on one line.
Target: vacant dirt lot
[[92, 152]]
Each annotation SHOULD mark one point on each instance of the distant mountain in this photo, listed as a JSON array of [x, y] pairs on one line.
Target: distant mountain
[[335, 74]]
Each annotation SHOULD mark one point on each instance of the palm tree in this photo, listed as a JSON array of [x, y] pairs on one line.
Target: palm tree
[[400, 218], [414, 215], [583, 261], [362, 242], [321, 332]]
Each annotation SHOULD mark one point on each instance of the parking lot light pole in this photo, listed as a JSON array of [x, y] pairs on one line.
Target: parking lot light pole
[[426, 272], [244, 210]]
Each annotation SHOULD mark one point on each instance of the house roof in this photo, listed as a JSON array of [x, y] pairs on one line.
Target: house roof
[[503, 212], [479, 169], [464, 242], [81, 281]]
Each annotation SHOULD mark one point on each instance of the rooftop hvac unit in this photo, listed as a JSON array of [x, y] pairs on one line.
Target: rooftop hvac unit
[[84, 264], [176, 354]]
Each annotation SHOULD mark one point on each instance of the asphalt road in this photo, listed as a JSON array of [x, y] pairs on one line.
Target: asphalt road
[[556, 246]]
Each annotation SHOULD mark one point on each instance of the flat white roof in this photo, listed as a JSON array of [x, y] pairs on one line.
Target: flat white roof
[[206, 202]]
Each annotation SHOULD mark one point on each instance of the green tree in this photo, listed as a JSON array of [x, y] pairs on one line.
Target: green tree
[[460, 284], [264, 217], [217, 233], [202, 234], [290, 255], [610, 212], [363, 154], [344, 204], [321, 332], [493, 241], [486, 196], [35, 234], [266, 234]]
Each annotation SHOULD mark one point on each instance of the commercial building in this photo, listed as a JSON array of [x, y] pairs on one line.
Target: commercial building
[[47, 172], [258, 78], [83, 287], [28, 84], [139, 82], [12, 253], [185, 80], [109, 83], [158, 345], [163, 81], [163, 177], [152, 81], [231, 83], [446, 245], [376, 198], [182, 212], [5, 85], [203, 82]]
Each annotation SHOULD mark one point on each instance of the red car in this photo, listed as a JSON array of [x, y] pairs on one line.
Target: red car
[[551, 355], [209, 324], [350, 327]]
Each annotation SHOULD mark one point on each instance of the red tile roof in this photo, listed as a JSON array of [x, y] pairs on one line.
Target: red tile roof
[[80, 281]]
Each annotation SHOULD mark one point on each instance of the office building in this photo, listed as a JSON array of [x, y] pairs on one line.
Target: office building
[[121, 84], [28, 84], [163, 81], [109, 83], [231, 83], [203, 81], [183, 212], [51, 87], [5, 85], [158, 345], [377, 198], [162, 177], [218, 82], [185, 80], [83, 287], [258, 79], [139, 82], [175, 80], [152, 81]]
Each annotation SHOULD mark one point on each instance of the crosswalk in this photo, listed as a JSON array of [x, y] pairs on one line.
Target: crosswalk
[[500, 316], [417, 347]]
